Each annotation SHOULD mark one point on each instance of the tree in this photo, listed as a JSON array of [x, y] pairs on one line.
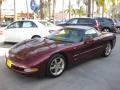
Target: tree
[[49, 8], [70, 11], [114, 4], [41, 9], [54, 4], [80, 11], [100, 3], [88, 5]]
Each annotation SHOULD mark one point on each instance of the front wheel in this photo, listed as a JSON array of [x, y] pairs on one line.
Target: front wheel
[[107, 50], [56, 65], [36, 36]]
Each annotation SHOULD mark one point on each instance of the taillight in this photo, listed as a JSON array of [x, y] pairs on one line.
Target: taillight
[[114, 29], [97, 26], [50, 31], [113, 25]]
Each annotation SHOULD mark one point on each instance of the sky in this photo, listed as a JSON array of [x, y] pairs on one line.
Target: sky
[[21, 5]]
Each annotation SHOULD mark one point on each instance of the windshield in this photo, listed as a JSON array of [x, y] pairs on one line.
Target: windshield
[[48, 24], [67, 35]]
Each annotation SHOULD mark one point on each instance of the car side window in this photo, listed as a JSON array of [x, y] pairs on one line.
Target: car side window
[[100, 20], [28, 24], [84, 21], [15, 25], [91, 34], [33, 24], [73, 21]]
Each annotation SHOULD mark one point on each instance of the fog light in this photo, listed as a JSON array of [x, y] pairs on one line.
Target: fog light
[[31, 70]]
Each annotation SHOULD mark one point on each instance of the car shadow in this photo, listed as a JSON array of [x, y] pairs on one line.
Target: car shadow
[[83, 62]]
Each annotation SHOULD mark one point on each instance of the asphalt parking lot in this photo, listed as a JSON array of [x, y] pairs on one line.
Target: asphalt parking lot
[[96, 74]]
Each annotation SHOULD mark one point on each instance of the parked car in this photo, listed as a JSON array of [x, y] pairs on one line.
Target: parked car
[[2, 36], [2, 27], [116, 23], [27, 29], [52, 27], [82, 21], [3, 24], [107, 24], [59, 50]]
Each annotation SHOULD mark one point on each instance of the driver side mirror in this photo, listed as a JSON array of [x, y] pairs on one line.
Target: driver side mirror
[[88, 40]]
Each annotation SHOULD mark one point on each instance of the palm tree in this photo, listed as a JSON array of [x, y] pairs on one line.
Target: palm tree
[[70, 11], [114, 4], [1, 1], [46, 8], [54, 3], [88, 5], [49, 8], [100, 3], [41, 9], [80, 11]]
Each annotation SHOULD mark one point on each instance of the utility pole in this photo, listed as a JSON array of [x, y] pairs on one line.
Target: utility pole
[[49, 8], [54, 2], [89, 8], [93, 8], [62, 10], [69, 9], [14, 10], [0, 10], [27, 9]]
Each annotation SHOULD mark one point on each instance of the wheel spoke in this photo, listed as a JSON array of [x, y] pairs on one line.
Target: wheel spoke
[[56, 70], [52, 67], [108, 49], [60, 62]]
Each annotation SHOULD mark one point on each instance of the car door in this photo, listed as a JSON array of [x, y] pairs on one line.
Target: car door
[[81, 48], [89, 47], [97, 44], [12, 31], [28, 29]]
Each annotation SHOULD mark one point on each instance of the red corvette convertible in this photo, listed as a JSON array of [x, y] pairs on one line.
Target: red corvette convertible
[[64, 47]]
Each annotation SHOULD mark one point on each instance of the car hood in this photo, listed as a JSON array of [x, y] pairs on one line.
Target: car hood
[[35, 47]]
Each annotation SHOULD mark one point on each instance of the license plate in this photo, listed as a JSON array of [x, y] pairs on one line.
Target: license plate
[[9, 63]]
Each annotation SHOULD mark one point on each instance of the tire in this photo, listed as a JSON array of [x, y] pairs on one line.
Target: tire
[[107, 50], [36, 36], [56, 65], [106, 30]]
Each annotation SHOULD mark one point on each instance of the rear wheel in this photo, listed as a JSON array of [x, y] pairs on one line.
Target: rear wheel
[[106, 30], [56, 65], [107, 50], [36, 36]]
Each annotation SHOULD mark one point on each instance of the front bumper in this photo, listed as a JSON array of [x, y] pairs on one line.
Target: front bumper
[[22, 69]]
